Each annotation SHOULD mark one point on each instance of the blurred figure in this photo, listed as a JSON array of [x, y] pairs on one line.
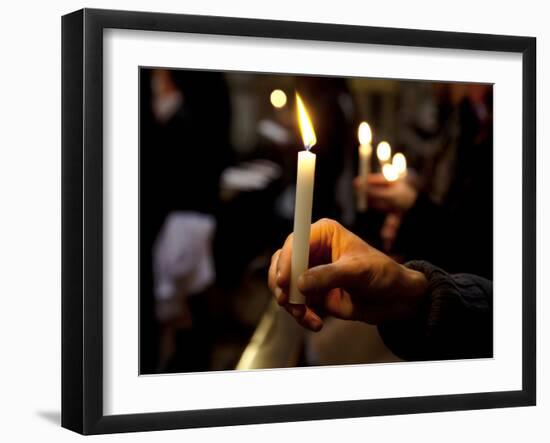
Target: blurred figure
[[183, 268], [446, 213], [184, 145]]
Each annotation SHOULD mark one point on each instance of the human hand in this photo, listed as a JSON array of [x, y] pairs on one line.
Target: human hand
[[347, 279], [386, 196]]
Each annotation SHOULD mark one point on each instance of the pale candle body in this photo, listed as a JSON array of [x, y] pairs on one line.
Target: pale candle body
[[302, 222], [365, 152]]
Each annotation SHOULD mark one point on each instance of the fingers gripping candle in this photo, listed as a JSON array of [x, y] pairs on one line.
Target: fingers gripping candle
[[304, 202]]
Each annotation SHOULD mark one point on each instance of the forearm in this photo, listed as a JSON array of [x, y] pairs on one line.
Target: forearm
[[454, 321]]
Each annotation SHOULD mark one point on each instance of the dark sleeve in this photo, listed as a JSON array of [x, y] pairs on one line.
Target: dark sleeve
[[455, 322]]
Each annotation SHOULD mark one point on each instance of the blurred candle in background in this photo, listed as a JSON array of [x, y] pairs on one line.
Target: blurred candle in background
[[383, 152], [399, 162], [389, 171], [365, 152], [304, 202]]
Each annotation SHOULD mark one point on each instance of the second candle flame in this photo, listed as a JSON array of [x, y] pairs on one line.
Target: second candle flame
[[306, 128], [383, 151]]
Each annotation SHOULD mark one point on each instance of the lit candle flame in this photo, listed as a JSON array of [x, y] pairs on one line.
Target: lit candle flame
[[364, 134], [383, 151], [390, 172], [399, 162], [306, 128]]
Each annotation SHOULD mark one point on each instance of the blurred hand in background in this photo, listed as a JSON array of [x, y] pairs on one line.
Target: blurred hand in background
[[388, 196]]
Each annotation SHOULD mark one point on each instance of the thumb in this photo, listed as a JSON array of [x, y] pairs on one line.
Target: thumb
[[323, 278]]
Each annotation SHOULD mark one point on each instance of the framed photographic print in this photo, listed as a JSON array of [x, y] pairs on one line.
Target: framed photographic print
[[269, 221]]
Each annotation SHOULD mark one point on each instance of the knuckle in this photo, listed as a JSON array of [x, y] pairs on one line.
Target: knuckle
[[330, 223], [327, 221], [275, 255], [358, 266]]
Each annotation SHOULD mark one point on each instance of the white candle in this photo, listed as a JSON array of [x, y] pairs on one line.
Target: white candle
[[365, 151], [304, 203], [302, 222]]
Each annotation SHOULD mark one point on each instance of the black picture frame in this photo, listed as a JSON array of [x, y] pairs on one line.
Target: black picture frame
[[82, 220]]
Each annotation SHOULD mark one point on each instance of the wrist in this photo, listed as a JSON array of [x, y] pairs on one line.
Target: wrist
[[417, 284]]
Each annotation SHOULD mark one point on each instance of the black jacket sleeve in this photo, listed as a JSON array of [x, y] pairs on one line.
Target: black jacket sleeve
[[455, 321]]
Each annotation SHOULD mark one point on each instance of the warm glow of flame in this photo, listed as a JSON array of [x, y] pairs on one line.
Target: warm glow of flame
[[365, 150], [306, 128], [383, 151], [390, 172], [364, 133], [278, 98], [399, 162]]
